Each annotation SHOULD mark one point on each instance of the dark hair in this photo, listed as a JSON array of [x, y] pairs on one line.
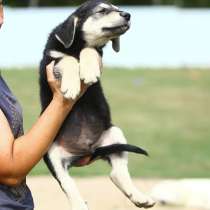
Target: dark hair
[[1, 2]]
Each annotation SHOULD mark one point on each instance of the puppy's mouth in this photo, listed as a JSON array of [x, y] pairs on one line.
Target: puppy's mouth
[[117, 29]]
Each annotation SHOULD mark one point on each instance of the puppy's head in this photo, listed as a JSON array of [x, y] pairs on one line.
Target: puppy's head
[[97, 22]]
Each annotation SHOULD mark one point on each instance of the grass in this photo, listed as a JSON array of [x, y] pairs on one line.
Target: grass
[[166, 112]]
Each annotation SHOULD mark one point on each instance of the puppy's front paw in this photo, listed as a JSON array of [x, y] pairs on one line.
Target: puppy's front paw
[[70, 88], [141, 200], [90, 66], [70, 81]]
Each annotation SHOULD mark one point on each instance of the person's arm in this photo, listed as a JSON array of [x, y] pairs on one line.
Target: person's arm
[[18, 157]]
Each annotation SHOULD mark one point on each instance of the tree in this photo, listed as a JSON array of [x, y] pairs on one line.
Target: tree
[[193, 3], [33, 3], [181, 3]]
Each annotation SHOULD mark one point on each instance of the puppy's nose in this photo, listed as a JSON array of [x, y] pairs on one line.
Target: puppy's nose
[[126, 15]]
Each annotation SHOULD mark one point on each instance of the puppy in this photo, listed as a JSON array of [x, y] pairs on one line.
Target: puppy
[[87, 133]]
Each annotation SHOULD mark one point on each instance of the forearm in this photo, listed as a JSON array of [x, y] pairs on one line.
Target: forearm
[[19, 156], [29, 149]]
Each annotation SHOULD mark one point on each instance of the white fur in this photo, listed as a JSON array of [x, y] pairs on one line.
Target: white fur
[[56, 155], [192, 193], [115, 7], [70, 82], [56, 54], [107, 6], [92, 28], [88, 70], [89, 66], [120, 174]]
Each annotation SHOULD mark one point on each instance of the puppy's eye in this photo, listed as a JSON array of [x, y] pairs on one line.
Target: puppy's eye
[[102, 11]]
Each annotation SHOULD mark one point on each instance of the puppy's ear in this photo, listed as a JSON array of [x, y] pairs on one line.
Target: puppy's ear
[[116, 44], [66, 32]]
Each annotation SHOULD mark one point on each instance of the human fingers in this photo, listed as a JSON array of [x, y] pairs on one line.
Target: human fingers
[[49, 71]]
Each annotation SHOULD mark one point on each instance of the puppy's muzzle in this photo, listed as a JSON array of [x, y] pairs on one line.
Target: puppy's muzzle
[[123, 27]]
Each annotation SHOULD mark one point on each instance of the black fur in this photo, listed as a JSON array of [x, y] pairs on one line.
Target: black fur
[[102, 152], [91, 114], [86, 127]]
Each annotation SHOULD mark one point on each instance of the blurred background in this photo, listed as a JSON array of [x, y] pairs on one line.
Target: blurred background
[[158, 86], [164, 33], [181, 3]]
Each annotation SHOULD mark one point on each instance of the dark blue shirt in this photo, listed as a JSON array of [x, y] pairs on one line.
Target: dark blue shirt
[[13, 198]]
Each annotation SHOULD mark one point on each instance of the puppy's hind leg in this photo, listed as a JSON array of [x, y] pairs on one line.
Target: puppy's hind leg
[[120, 175], [59, 159]]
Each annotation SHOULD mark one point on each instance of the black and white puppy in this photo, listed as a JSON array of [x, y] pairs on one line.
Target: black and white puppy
[[87, 133]]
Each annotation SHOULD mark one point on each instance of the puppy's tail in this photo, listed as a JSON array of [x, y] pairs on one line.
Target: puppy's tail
[[102, 152]]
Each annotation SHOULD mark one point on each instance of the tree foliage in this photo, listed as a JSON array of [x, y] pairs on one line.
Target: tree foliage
[[181, 3]]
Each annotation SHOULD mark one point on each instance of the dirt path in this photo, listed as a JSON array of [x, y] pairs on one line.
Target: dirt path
[[100, 193]]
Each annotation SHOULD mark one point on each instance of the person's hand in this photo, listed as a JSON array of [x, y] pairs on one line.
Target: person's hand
[[55, 86]]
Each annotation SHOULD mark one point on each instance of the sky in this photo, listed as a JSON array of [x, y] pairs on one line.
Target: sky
[[159, 37]]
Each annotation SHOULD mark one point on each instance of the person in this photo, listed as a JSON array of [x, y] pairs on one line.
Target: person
[[20, 152]]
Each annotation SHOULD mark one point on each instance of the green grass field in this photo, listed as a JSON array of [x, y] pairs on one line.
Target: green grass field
[[164, 111]]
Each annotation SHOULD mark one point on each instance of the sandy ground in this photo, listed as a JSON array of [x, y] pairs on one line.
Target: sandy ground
[[100, 193]]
